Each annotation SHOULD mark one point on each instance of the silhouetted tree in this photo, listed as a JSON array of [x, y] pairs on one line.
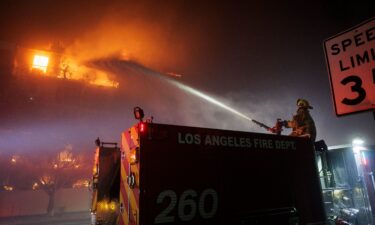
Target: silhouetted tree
[[60, 171]]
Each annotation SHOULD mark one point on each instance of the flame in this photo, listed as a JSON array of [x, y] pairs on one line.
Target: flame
[[76, 70], [65, 156], [60, 66], [131, 40], [82, 183], [40, 62], [105, 83]]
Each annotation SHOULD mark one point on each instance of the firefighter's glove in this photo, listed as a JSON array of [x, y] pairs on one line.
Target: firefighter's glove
[[273, 130]]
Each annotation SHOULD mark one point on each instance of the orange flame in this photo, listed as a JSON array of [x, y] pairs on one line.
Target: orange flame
[[40, 62]]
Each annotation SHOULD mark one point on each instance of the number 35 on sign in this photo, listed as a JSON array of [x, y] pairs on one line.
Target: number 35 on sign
[[350, 57]]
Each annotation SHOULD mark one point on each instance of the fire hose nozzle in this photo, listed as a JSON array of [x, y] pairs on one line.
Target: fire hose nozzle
[[276, 129]]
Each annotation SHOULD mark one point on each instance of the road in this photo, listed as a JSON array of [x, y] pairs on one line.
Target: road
[[81, 218]]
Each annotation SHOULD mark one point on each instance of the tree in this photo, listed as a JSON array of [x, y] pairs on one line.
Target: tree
[[61, 171], [45, 170]]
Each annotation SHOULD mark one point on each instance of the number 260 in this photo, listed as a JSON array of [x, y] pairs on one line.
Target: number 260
[[187, 205]]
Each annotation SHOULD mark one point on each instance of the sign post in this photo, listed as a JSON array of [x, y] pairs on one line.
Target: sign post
[[350, 57]]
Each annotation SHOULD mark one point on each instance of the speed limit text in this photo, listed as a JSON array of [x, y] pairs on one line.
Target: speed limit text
[[355, 41]]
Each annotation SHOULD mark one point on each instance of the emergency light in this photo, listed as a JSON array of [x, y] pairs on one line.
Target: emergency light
[[141, 127]]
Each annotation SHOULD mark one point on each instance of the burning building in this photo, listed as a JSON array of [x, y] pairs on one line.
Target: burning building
[[54, 64]]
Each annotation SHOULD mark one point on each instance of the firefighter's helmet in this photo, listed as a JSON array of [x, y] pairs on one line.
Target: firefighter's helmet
[[303, 103]]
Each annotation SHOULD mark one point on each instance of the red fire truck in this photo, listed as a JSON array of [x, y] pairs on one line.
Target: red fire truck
[[167, 174]]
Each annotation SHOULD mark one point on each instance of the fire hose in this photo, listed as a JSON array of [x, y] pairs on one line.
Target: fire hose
[[277, 129]]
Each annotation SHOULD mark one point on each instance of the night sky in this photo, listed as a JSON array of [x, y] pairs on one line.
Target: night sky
[[258, 57]]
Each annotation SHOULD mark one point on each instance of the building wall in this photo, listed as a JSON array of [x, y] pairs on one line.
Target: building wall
[[22, 203]]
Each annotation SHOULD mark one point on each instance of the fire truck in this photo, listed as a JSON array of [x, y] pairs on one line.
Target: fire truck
[[168, 174]]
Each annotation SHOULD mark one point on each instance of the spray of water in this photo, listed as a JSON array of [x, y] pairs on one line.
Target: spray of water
[[207, 98], [138, 68]]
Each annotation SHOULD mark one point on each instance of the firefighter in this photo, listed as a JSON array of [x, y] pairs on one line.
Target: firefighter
[[302, 123]]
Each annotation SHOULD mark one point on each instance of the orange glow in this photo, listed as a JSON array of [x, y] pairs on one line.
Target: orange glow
[[8, 188], [61, 66], [40, 62], [133, 158], [73, 70], [96, 162], [105, 83], [14, 159], [134, 40], [35, 186], [66, 156], [46, 180], [81, 183], [107, 205]]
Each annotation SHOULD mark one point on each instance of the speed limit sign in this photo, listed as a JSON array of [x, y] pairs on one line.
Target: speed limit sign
[[350, 57]]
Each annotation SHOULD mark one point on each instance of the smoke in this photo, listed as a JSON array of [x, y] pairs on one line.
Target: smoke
[[125, 46], [218, 56], [131, 38], [172, 101], [146, 33], [156, 35], [168, 38]]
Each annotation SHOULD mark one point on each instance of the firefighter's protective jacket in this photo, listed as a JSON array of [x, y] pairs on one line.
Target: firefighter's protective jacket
[[302, 124]]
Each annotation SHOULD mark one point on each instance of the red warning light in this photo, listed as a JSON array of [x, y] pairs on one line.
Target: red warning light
[[142, 127]]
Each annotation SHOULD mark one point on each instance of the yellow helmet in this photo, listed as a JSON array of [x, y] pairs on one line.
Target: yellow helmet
[[303, 103]]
